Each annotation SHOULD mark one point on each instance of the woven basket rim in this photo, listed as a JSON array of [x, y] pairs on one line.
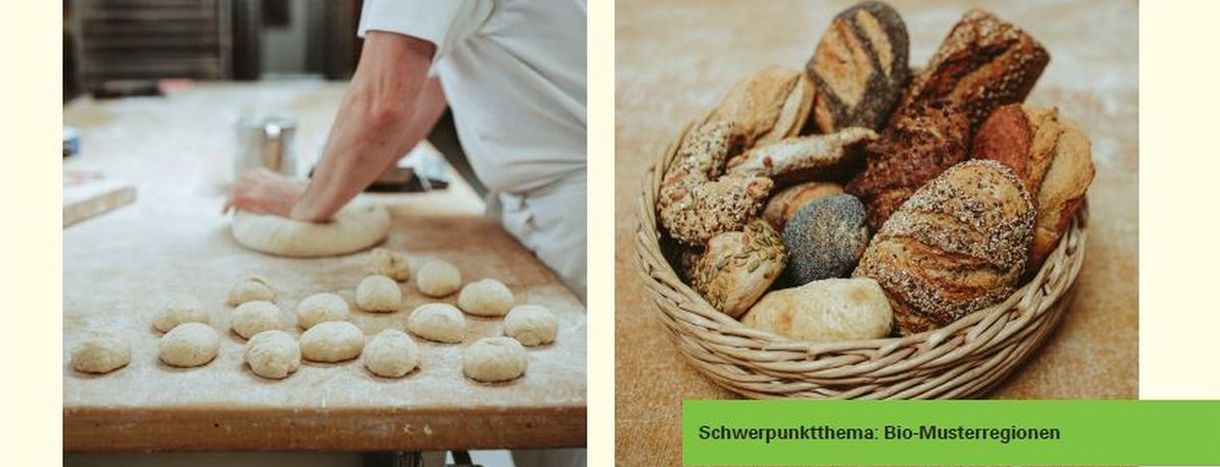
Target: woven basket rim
[[710, 338]]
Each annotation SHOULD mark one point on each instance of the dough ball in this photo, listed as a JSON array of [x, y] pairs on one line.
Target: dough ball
[[273, 354], [180, 309], [322, 307], [101, 354], [378, 293], [493, 359], [487, 297], [531, 325], [438, 278], [391, 354], [391, 264], [251, 318], [439, 322], [332, 341], [250, 289], [190, 344]]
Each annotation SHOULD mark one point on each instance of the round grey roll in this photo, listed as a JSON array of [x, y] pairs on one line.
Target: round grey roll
[[825, 239]]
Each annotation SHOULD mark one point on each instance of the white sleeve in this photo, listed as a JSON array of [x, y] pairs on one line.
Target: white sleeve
[[444, 23]]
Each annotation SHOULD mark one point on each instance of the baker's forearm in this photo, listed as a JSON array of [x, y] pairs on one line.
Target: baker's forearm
[[376, 123]]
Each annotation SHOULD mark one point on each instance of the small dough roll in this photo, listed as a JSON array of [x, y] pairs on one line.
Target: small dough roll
[[391, 354], [531, 325], [273, 354], [332, 341], [391, 264], [320, 308], [250, 289], [181, 309], [439, 322], [438, 278], [101, 354], [379, 294], [189, 344], [493, 359], [487, 297], [251, 318]]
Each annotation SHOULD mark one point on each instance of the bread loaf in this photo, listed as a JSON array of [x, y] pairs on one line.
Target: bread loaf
[[1021, 137], [923, 141], [1062, 193], [859, 67], [783, 205], [825, 239], [982, 64], [825, 310], [1031, 141], [738, 267], [770, 105], [697, 200], [957, 245], [802, 158]]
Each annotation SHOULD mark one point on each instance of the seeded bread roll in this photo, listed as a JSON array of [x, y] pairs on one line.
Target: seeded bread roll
[[922, 142], [957, 245], [1032, 141], [770, 105], [738, 267], [783, 205], [859, 68], [982, 64]]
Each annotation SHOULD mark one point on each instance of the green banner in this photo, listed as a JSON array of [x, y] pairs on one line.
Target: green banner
[[973, 432]]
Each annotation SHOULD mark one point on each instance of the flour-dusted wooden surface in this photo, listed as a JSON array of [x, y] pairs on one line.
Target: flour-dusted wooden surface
[[118, 268], [674, 59]]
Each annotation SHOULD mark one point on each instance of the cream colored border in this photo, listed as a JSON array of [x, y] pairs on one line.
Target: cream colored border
[[30, 233], [601, 233], [1179, 172]]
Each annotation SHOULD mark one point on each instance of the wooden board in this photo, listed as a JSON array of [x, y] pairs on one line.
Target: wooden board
[[149, 405], [87, 196]]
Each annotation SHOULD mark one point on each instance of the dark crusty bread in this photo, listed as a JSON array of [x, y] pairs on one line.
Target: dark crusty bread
[[825, 239], [1031, 141], [982, 64], [918, 145], [768, 106], [957, 245], [859, 67], [1021, 137], [783, 205]]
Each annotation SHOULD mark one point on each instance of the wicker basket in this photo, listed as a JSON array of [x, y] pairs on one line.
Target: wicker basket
[[964, 359]]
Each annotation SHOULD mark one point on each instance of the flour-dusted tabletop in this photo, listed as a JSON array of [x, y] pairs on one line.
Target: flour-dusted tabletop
[[675, 58], [120, 266]]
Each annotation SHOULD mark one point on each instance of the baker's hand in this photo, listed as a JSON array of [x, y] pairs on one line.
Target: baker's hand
[[262, 191]]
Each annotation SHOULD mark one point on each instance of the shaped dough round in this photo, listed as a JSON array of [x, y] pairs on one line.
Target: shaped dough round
[[493, 359], [251, 318], [531, 325], [439, 322], [320, 308], [332, 341], [180, 309], [359, 225], [391, 264], [250, 289], [273, 354], [190, 344], [391, 354], [438, 278], [101, 354], [487, 297], [378, 293]]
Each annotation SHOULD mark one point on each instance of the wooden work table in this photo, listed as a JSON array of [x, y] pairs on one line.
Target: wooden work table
[[674, 59], [120, 266]]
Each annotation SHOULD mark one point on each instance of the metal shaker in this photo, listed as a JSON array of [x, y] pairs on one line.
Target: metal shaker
[[266, 142]]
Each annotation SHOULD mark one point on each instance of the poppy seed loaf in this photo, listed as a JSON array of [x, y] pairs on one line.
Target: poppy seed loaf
[[825, 239], [957, 245]]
